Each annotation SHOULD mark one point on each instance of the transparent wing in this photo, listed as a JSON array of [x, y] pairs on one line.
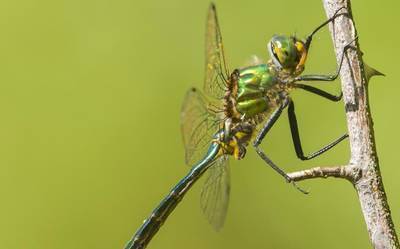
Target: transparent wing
[[216, 74], [215, 194], [254, 60], [199, 124]]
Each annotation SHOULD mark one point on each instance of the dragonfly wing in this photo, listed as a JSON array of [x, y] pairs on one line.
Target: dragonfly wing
[[254, 60], [216, 74], [198, 125], [215, 194]]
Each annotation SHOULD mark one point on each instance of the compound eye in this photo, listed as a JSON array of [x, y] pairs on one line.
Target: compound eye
[[274, 51], [273, 48], [282, 55]]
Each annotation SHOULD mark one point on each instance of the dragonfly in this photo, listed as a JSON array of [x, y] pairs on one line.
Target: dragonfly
[[237, 109]]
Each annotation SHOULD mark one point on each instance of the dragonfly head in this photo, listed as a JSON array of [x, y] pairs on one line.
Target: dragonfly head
[[287, 53]]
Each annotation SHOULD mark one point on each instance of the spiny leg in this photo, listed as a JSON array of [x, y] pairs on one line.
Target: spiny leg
[[317, 77], [268, 125], [319, 92], [296, 137]]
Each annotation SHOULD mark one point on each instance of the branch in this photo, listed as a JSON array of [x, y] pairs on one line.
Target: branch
[[324, 172], [363, 169], [364, 157]]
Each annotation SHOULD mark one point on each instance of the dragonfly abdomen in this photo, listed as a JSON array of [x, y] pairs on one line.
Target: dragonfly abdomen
[[152, 224]]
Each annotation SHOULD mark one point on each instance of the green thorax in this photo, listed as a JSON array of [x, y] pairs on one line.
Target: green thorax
[[255, 84]]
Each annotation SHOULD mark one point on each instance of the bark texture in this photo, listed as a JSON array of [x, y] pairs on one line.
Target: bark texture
[[363, 168], [364, 159]]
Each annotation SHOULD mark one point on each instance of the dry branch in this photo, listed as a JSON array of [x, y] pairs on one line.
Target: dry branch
[[363, 169]]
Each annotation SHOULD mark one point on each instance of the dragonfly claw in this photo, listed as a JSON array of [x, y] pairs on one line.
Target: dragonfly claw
[[299, 188]]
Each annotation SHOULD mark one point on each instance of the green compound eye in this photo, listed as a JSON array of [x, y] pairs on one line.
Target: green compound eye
[[285, 52]]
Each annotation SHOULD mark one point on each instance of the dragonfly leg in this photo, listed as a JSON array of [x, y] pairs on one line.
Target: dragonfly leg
[[270, 122], [296, 137], [268, 125], [337, 14], [260, 136], [278, 170], [332, 77], [319, 92]]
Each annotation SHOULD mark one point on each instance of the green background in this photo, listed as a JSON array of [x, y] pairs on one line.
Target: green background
[[90, 95]]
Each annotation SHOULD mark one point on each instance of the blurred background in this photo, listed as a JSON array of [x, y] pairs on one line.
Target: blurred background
[[90, 97]]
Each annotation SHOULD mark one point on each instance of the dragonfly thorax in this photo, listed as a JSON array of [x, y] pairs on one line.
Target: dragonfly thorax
[[254, 91], [252, 94]]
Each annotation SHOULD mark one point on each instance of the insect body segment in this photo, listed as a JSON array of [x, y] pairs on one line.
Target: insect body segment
[[234, 140], [253, 84]]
